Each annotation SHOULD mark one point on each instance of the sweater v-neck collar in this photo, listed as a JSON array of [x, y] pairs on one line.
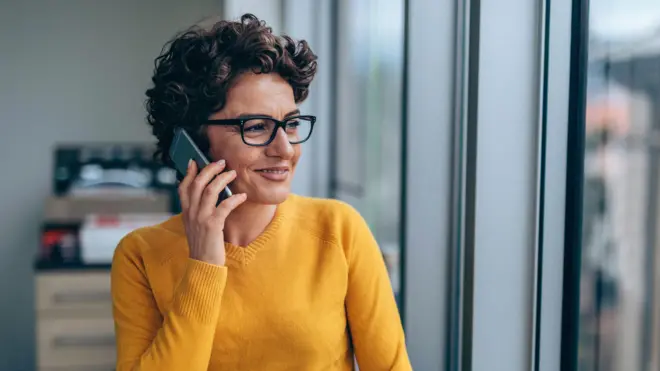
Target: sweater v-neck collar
[[246, 254], [243, 255]]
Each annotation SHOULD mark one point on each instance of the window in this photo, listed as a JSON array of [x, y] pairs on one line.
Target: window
[[620, 269], [367, 152]]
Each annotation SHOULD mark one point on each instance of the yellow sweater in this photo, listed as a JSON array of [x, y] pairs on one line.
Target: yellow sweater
[[309, 293]]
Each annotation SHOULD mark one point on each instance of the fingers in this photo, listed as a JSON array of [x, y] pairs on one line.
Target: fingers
[[199, 183], [228, 205], [185, 184], [211, 193]]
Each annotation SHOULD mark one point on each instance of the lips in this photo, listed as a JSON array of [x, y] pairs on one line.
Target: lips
[[274, 170], [275, 174]]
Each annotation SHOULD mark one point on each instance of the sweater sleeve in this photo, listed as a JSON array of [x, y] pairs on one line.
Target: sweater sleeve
[[373, 315], [182, 339]]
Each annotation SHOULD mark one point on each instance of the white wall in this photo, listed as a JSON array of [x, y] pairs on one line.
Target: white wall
[[69, 71], [267, 10]]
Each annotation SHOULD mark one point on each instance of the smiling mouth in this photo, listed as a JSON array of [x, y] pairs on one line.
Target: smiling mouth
[[274, 174], [274, 170]]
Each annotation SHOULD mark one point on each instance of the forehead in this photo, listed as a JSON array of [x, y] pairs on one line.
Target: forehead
[[252, 93]]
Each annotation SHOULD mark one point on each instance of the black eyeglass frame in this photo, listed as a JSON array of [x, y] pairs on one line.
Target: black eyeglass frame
[[278, 124]]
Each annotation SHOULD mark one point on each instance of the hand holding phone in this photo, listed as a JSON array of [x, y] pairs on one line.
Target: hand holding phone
[[204, 221], [203, 211]]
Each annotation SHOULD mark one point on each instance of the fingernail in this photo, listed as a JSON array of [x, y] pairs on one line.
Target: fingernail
[[221, 162], [190, 163]]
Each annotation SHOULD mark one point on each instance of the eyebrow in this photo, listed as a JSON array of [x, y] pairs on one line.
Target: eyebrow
[[246, 115]]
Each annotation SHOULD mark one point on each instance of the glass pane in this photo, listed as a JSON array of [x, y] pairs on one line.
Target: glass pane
[[369, 117], [620, 273]]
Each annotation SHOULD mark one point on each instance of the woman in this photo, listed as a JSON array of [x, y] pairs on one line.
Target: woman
[[265, 280]]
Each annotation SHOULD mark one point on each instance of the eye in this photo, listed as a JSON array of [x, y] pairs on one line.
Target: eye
[[254, 126], [293, 124]]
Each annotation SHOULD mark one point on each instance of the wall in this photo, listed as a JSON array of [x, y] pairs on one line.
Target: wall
[[267, 10], [69, 71]]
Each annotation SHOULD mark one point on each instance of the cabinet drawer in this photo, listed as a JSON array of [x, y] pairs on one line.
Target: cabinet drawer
[[76, 343], [71, 293]]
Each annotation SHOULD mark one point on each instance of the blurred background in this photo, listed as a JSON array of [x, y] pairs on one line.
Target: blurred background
[[397, 131], [620, 302]]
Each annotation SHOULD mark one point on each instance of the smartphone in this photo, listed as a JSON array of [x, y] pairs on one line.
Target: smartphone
[[182, 150]]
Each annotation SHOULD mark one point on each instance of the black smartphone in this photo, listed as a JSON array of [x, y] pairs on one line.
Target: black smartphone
[[182, 150]]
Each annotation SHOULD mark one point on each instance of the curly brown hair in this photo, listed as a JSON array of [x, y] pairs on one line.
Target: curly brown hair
[[196, 69]]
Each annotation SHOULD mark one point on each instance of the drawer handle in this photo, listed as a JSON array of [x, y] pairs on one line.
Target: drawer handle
[[84, 341], [81, 297]]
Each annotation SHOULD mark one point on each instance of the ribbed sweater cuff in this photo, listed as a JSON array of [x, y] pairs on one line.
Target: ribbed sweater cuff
[[199, 293]]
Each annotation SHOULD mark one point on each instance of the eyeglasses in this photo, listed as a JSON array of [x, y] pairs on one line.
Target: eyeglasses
[[261, 130]]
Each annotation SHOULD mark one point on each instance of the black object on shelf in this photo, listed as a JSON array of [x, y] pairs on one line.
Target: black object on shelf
[[121, 165]]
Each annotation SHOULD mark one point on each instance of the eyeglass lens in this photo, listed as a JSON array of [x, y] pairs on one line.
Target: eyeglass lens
[[259, 131]]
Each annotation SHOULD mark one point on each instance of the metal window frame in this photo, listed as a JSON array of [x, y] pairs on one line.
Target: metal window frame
[[445, 281], [550, 292], [428, 205], [504, 243], [575, 150], [512, 270]]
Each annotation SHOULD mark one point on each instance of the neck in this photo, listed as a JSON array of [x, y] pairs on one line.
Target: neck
[[247, 222]]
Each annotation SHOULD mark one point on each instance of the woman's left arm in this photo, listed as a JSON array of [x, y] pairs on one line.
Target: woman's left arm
[[373, 315]]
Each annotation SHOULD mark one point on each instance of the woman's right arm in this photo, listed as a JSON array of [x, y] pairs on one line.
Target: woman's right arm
[[183, 338], [180, 340]]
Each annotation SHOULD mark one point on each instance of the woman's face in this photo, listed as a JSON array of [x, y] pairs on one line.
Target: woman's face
[[263, 173]]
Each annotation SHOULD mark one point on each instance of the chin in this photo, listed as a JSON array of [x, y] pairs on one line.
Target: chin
[[270, 197]]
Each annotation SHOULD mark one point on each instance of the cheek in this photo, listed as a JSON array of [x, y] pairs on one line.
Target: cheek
[[238, 156], [244, 161], [297, 152], [242, 158]]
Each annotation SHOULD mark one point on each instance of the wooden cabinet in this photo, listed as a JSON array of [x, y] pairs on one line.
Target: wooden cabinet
[[75, 329]]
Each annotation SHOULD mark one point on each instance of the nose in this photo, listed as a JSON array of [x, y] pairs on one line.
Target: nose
[[280, 146]]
